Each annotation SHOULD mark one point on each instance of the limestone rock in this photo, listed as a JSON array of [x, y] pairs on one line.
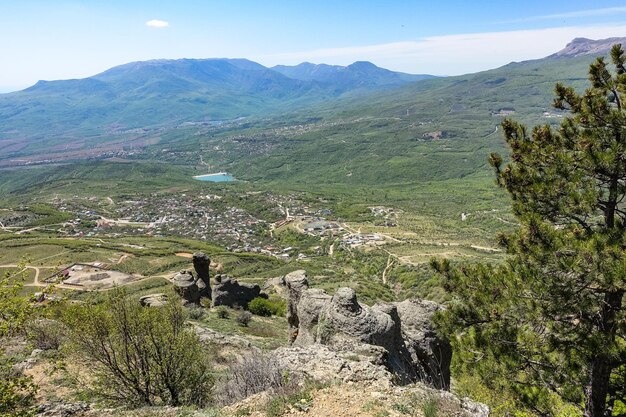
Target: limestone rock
[[322, 363], [211, 336], [192, 288], [296, 282], [229, 292], [201, 263], [153, 300], [62, 409], [431, 353], [309, 330], [412, 350]]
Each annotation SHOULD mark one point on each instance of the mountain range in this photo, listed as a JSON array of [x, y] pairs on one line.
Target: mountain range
[[391, 116], [165, 92]]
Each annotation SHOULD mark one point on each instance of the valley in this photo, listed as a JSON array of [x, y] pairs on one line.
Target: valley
[[310, 226]]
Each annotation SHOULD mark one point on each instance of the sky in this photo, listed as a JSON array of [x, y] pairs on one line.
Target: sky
[[62, 39]]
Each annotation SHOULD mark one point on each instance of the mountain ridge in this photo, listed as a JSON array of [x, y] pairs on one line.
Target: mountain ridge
[[164, 92], [584, 46]]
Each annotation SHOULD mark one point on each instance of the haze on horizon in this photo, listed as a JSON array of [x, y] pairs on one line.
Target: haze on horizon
[[79, 38]]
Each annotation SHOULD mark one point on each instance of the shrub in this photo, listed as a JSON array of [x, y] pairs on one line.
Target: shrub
[[46, 334], [264, 307], [17, 392], [222, 312], [138, 355], [255, 374], [260, 307], [196, 313], [244, 318]]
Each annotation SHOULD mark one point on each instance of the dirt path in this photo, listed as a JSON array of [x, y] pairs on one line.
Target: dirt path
[[492, 133], [388, 267]]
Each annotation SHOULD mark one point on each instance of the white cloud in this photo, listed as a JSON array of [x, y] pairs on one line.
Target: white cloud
[[156, 23], [453, 54]]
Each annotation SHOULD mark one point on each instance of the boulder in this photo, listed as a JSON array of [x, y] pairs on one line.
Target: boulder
[[192, 288], [309, 330], [63, 409], [228, 292]]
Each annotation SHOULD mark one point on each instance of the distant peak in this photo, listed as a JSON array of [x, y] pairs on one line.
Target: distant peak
[[362, 64], [584, 46]]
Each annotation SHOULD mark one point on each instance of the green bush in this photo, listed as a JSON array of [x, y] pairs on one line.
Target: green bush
[[260, 307], [222, 312], [264, 307], [138, 355]]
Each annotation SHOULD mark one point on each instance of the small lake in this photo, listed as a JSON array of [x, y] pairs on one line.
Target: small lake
[[217, 177]]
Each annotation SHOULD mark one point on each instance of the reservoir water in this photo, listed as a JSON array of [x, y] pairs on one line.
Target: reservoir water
[[217, 177]]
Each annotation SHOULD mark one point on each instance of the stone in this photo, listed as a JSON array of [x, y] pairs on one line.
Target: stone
[[229, 292], [312, 301], [192, 288], [210, 336]]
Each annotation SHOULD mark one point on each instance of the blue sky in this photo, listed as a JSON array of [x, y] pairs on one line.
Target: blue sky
[[69, 39]]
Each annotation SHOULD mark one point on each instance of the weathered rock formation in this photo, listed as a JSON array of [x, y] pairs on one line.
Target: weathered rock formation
[[431, 353], [192, 288], [201, 264], [228, 292], [411, 350], [186, 286]]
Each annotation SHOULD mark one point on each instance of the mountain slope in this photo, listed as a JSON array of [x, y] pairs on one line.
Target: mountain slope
[[169, 92], [433, 130]]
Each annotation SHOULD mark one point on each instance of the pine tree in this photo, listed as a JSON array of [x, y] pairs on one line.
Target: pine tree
[[551, 319]]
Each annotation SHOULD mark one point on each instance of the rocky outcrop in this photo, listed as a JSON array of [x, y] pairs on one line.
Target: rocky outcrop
[[63, 409], [296, 282], [192, 288], [153, 300], [412, 351], [356, 363], [429, 352], [201, 263], [228, 292], [584, 46]]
